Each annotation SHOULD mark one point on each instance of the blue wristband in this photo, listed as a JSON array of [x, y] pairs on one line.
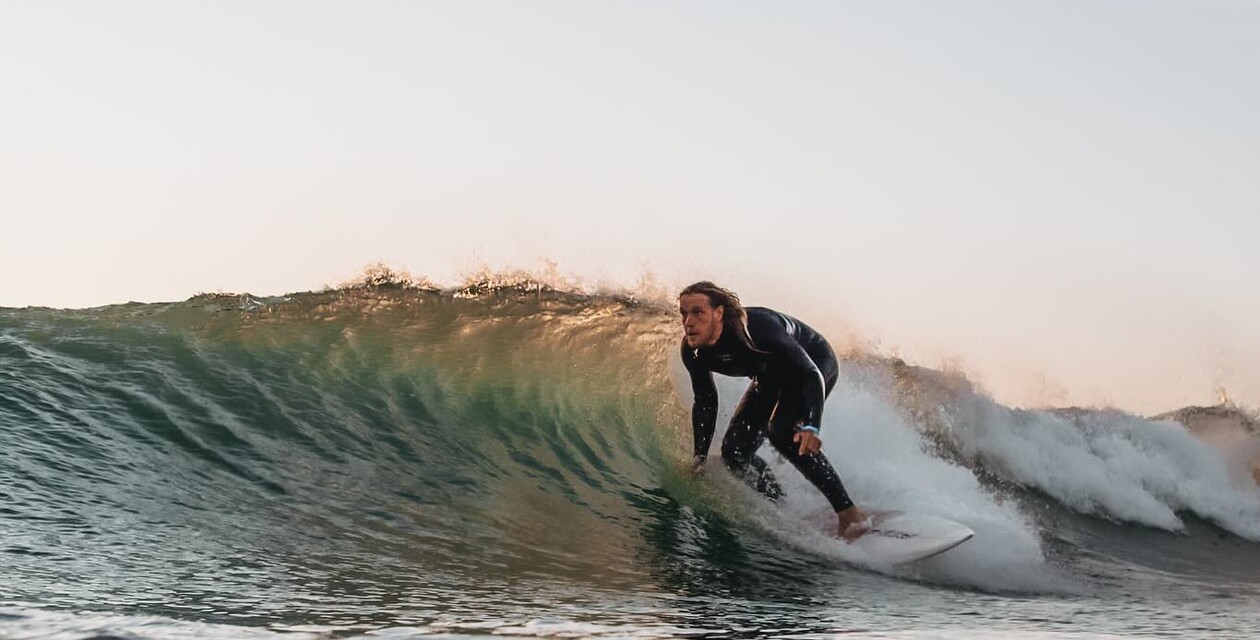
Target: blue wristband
[[808, 428]]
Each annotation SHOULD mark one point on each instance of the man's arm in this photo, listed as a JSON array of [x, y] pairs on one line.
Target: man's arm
[[704, 408]]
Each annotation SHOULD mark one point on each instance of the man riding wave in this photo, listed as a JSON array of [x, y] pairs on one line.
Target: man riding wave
[[792, 368]]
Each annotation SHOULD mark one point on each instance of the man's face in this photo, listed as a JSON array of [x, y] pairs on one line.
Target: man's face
[[702, 322]]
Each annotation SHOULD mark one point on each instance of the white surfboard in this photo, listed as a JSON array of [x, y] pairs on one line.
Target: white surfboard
[[897, 537]]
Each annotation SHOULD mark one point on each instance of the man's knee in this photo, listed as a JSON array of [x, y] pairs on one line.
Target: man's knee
[[741, 442], [734, 456], [782, 439], [781, 436]]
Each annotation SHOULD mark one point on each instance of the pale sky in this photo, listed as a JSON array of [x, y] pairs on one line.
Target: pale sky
[[1060, 197]]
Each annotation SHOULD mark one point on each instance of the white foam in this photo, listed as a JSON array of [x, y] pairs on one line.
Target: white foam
[[887, 464], [1108, 463]]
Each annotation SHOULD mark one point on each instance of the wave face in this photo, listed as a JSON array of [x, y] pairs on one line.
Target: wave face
[[508, 460]]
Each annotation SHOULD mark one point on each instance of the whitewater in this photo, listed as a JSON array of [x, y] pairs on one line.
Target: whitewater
[[509, 459]]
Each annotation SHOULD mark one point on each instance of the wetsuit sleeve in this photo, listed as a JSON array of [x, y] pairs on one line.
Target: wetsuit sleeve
[[772, 336], [704, 408]]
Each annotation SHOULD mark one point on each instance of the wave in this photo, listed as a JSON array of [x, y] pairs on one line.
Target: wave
[[508, 430], [1107, 463]]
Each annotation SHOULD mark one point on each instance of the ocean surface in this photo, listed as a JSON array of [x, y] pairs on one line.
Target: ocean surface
[[509, 461]]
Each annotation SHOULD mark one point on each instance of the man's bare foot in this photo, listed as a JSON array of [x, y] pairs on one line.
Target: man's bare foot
[[853, 523]]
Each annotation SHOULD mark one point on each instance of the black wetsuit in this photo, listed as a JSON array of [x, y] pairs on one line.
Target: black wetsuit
[[792, 369]]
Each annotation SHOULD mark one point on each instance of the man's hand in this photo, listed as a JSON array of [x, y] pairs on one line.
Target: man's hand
[[809, 442], [697, 467]]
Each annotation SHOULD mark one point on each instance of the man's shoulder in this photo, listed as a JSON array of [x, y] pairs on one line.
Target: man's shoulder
[[767, 327], [765, 319]]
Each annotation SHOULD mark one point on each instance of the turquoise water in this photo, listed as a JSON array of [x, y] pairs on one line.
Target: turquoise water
[[394, 462]]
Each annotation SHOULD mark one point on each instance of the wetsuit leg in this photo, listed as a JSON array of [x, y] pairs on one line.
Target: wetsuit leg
[[744, 436], [815, 467]]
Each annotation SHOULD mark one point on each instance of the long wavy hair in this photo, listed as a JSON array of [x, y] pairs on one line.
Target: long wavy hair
[[734, 317]]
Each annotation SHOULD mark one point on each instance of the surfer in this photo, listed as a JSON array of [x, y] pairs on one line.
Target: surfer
[[792, 368]]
